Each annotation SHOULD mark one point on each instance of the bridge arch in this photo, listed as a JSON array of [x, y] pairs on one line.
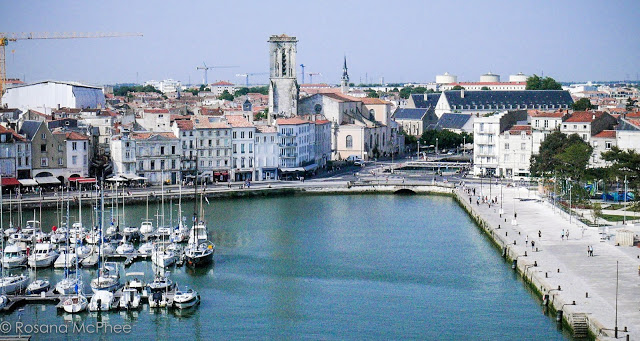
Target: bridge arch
[[404, 191]]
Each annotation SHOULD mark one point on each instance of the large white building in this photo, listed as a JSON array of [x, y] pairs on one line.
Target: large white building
[[266, 153], [242, 148], [49, 95], [78, 151], [165, 86], [153, 156], [297, 144], [486, 145], [15, 155]]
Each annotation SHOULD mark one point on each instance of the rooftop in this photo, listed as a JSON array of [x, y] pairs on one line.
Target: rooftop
[[605, 134], [584, 116], [291, 121]]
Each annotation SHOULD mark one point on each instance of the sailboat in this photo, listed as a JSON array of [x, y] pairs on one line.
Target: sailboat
[[162, 256], [9, 284], [199, 250], [146, 228], [108, 277], [44, 255], [69, 284]]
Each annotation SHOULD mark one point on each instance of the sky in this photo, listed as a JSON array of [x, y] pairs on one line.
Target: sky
[[398, 41]]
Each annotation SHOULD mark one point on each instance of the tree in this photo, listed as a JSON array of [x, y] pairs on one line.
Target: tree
[[547, 83], [624, 163], [226, 96], [583, 104], [457, 87], [256, 89], [409, 140], [565, 156], [124, 90], [372, 94], [596, 210], [485, 88], [445, 138], [631, 103]]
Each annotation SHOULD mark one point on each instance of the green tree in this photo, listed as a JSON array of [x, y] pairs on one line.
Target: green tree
[[562, 155], [631, 104], [405, 92], [256, 89], [372, 94], [409, 140], [446, 139], [226, 96], [124, 90], [583, 104], [535, 82], [624, 163], [457, 87]]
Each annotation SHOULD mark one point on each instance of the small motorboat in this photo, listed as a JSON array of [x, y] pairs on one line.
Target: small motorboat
[[38, 286], [135, 282], [65, 260], [75, 304], [146, 228], [83, 251], [163, 258], [103, 300], [43, 256], [58, 237], [130, 299], [158, 300], [160, 283], [14, 257], [12, 284], [163, 232], [91, 261], [186, 299]]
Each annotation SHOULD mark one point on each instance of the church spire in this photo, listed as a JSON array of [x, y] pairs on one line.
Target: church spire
[[344, 81]]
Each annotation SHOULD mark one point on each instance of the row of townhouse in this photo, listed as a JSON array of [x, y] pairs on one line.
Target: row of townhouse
[[51, 156], [505, 141], [229, 148]]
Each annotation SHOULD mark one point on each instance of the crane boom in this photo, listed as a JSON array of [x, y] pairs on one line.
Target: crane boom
[[6, 37]]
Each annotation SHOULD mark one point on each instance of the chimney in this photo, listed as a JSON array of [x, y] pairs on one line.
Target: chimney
[[462, 93]]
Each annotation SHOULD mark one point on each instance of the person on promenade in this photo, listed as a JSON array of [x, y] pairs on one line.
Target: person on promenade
[[539, 234], [533, 243], [567, 234], [526, 240], [562, 235], [588, 250]]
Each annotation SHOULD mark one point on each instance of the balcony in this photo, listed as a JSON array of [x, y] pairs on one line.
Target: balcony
[[288, 156], [287, 145], [287, 134]]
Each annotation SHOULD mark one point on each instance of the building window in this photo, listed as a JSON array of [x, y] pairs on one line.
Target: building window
[[242, 134], [60, 148], [74, 160], [173, 150], [43, 148], [546, 123], [161, 150], [43, 136], [607, 145], [242, 148], [141, 165], [153, 165], [74, 145], [234, 134], [584, 137], [250, 147], [506, 146], [523, 146], [349, 141], [162, 164], [60, 161], [537, 123], [44, 162], [234, 149]]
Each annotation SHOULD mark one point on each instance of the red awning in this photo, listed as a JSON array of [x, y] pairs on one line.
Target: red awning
[[75, 178], [86, 180], [10, 182]]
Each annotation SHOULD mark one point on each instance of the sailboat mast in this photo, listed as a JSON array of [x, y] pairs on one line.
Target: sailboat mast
[[1, 225]]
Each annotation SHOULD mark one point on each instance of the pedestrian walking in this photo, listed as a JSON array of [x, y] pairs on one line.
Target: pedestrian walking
[[562, 235], [526, 240], [567, 234], [588, 250], [533, 243], [539, 234]]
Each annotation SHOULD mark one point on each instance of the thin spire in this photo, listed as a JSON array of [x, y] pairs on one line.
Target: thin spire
[[345, 75]]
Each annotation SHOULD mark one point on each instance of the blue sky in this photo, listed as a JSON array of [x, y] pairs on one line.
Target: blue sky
[[401, 41]]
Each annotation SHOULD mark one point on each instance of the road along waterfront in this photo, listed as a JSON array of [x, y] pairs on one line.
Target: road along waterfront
[[583, 287], [335, 267]]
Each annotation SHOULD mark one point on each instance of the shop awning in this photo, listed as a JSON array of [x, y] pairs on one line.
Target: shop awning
[[117, 179], [311, 167], [221, 173], [86, 180], [129, 176], [292, 169], [28, 182], [10, 182], [47, 180], [139, 178]]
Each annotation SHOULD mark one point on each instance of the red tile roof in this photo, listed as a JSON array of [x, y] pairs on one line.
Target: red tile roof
[[291, 121], [322, 121], [584, 116], [536, 113], [156, 111], [367, 100], [518, 129], [13, 132], [237, 121], [184, 124], [222, 83], [606, 134]]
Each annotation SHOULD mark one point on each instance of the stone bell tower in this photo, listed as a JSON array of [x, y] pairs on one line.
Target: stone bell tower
[[283, 83]]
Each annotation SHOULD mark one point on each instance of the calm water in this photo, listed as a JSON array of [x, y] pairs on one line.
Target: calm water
[[334, 267]]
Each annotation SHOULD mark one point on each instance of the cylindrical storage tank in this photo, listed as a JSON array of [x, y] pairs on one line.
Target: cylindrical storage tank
[[490, 78], [446, 78], [520, 77]]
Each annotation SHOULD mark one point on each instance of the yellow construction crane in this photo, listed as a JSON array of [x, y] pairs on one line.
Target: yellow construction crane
[[5, 38]]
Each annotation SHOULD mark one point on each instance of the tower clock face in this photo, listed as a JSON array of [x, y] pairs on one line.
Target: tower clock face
[[318, 108]]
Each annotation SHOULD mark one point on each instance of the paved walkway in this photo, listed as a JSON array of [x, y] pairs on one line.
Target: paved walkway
[[579, 274]]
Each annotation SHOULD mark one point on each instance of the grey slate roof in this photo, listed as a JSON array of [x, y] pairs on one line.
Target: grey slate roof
[[409, 114], [498, 99], [29, 129], [452, 121], [420, 102]]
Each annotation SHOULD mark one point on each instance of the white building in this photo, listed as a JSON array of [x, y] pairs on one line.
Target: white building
[[601, 142], [165, 86], [242, 148], [323, 142], [77, 153], [266, 153], [587, 124], [157, 156], [514, 152], [213, 138], [542, 124], [158, 120], [49, 95], [219, 87], [486, 146], [297, 144]]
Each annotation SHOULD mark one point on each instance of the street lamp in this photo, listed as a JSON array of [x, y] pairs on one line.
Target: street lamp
[[464, 144], [437, 146]]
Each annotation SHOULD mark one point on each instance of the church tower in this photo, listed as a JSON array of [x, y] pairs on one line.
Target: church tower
[[344, 81], [283, 83]]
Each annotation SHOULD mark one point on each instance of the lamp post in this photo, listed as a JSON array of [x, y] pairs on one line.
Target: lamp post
[[464, 144], [437, 146]]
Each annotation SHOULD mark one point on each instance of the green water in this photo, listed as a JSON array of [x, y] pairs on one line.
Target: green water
[[331, 267]]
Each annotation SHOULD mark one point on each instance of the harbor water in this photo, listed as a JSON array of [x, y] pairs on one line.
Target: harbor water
[[326, 267]]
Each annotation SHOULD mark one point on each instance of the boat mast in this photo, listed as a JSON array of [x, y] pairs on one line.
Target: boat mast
[[2, 226]]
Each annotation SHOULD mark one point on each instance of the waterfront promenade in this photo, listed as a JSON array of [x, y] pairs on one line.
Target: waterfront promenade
[[561, 267]]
